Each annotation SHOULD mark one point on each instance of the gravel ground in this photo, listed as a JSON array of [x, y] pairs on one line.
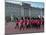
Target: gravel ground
[[10, 29]]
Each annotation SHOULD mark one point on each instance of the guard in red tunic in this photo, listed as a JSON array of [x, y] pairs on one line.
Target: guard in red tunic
[[21, 22], [17, 23], [38, 23], [29, 23], [25, 22], [33, 23]]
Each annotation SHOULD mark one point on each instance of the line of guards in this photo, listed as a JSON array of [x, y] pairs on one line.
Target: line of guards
[[29, 23]]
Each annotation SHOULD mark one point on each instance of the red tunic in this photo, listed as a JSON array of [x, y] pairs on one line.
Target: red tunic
[[37, 22], [42, 21], [17, 21], [32, 21], [29, 21], [25, 21], [21, 21]]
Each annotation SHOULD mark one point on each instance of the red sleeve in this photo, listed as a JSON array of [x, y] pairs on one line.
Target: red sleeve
[[17, 21], [22, 21], [29, 21]]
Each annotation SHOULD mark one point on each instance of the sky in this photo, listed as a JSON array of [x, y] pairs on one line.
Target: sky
[[36, 4], [33, 3]]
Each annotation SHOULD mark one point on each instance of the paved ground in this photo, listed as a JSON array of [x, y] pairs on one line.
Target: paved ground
[[10, 29]]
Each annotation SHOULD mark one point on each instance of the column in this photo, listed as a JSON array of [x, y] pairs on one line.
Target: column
[[29, 12], [22, 11]]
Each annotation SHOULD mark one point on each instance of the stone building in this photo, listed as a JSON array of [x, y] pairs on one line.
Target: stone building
[[23, 10]]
